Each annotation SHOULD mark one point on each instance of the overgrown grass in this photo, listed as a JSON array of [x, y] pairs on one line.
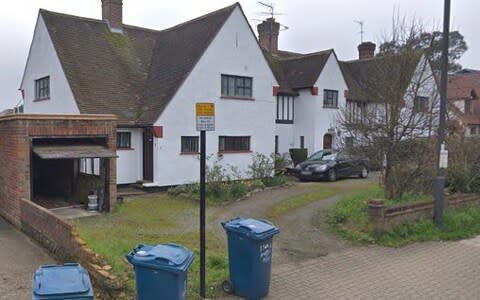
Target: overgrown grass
[[349, 219], [297, 202], [154, 219]]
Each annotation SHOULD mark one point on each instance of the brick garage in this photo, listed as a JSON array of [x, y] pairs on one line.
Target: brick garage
[[18, 135]]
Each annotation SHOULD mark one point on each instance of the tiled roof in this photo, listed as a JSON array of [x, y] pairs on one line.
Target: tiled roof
[[372, 79], [296, 71], [133, 75], [464, 85]]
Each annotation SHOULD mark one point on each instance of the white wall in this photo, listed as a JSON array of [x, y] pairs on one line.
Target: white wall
[[233, 117], [43, 61], [311, 119], [130, 161]]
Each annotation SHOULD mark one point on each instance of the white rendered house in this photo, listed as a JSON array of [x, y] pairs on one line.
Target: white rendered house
[[151, 81]]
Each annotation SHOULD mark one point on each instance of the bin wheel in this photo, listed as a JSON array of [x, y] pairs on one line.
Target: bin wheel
[[227, 287]]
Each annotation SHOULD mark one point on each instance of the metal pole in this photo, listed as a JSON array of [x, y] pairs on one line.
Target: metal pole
[[202, 212], [440, 180]]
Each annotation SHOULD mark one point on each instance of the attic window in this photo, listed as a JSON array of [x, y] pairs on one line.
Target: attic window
[[330, 98], [42, 88], [236, 86]]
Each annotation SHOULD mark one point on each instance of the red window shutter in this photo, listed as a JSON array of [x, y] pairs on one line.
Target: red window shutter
[[346, 93], [276, 89], [315, 90], [157, 131]]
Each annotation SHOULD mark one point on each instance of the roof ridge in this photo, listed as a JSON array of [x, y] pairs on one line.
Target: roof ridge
[[301, 56], [201, 17]]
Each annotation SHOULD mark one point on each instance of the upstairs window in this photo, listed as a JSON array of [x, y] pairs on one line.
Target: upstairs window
[[285, 109], [330, 98], [420, 104], [124, 140], [190, 144], [233, 143], [236, 86], [42, 88]]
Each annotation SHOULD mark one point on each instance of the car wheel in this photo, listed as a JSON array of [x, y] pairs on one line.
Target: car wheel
[[227, 287], [363, 172], [332, 175]]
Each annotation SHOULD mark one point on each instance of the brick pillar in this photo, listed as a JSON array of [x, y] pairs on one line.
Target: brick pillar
[[376, 215]]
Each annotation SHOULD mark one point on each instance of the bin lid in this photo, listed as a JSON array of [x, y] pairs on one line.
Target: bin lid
[[162, 256], [51, 280], [257, 229]]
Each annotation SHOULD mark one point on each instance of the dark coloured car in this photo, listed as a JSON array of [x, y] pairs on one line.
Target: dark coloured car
[[331, 167]]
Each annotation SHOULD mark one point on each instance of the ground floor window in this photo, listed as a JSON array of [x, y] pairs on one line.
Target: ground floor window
[[90, 166], [302, 142], [233, 143], [124, 140], [190, 144]]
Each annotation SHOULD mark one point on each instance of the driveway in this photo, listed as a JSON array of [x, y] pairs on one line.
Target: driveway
[[19, 258]]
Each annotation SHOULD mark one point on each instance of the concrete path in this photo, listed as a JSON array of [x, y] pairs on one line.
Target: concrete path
[[19, 258], [431, 270]]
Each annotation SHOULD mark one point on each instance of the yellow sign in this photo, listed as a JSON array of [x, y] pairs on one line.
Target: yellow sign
[[205, 113], [205, 109]]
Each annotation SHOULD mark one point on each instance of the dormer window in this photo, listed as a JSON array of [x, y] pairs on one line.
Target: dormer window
[[42, 88]]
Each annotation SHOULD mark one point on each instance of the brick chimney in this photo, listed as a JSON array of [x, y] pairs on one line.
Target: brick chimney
[[366, 50], [268, 32], [112, 13]]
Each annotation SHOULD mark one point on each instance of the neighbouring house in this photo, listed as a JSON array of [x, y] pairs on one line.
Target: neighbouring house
[[309, 97], [5, 112], [376, 84], [463, 94], [151, 81]]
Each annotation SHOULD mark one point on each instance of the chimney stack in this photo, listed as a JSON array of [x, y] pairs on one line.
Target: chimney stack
[[366, 50], [112, 13], [268, 32]]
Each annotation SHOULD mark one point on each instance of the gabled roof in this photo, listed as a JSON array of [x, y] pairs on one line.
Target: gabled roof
[[297, 71], [133, 75], [372, 79], [464, 85]]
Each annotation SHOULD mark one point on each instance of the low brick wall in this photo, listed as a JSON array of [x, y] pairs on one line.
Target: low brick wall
[[60, 238], [382, 218]]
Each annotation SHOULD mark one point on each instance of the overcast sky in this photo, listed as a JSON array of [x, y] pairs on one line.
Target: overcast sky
[[313, 25]]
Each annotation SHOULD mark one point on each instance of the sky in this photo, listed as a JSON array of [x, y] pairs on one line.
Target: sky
[[313, 25]]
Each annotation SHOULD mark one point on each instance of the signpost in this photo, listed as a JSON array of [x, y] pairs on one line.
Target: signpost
[[205, 114]]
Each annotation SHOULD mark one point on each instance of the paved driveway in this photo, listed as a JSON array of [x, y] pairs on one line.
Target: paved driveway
[[19, 258], [431, 270]]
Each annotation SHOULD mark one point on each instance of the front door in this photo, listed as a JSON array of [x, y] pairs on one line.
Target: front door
[[327, 141], [148, 154]]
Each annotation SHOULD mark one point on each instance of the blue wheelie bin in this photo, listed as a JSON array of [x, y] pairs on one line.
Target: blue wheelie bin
[[250, 257], [68, 281], [161, 271]]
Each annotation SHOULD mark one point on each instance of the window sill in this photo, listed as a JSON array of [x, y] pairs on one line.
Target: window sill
[[283, 122], [189, 153], [41, 99], [234, 152], [237, 98], [330, 107], [126, 149]]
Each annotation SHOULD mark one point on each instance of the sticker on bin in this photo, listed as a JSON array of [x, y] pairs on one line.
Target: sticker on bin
[[265, 252]]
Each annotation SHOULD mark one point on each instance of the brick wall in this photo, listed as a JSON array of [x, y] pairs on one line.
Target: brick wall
[[382, 218], [16, 132]]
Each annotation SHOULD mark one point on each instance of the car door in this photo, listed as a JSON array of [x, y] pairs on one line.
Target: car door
[[342, 165]]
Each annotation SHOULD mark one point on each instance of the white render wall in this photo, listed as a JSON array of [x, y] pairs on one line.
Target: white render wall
[[43, 61], [233, 117], [311, 119], [130, 161]]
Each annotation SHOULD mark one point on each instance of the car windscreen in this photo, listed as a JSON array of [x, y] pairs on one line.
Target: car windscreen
[[317, 155], [330, 157]]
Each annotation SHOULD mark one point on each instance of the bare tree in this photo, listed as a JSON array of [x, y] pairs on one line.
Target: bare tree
[[392, 112]]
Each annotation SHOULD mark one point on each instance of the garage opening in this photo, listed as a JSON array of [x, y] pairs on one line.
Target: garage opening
[[67, 170]]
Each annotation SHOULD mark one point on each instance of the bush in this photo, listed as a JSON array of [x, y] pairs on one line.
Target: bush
[[262, 166], [464, 165], [238, 190]]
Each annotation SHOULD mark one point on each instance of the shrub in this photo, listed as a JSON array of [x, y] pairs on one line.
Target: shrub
[[262, 166], [238, 190]]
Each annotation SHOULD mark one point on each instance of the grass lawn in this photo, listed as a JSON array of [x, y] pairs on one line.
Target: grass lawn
[[296, 202], [154, 219], [349, 219]]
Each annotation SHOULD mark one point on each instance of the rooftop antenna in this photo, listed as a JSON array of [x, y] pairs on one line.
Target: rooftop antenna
[[361, 30], [271, 13]]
